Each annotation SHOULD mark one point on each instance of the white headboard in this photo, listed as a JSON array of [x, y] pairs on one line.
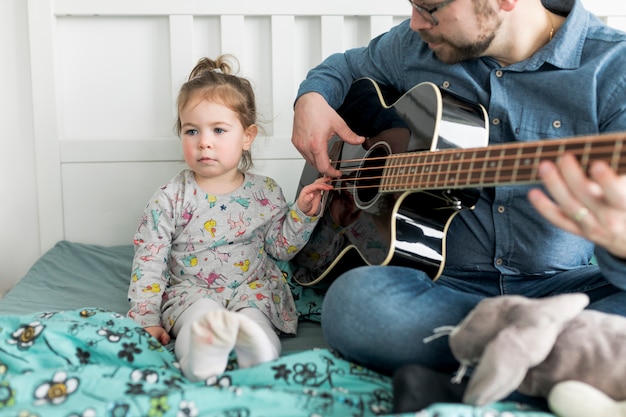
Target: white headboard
[[105, 75]]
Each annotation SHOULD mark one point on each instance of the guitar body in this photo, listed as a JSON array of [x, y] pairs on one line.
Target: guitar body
[[362, 224]]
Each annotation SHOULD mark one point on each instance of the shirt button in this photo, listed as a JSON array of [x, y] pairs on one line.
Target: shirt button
[[446, 84], [499, 73], [495, 121], [500, 209], [499, 261], [556, 124]]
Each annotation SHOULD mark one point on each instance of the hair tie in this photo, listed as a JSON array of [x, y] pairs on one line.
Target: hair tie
[[217, 70]]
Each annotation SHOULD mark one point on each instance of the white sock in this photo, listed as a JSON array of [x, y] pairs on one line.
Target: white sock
[[213, 337], [256, 343]]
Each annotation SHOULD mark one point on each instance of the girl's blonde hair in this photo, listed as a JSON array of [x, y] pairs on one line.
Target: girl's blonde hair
[[214, 80]]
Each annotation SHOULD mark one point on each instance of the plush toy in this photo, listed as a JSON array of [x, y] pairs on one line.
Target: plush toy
[[578, 399], [531, 345]]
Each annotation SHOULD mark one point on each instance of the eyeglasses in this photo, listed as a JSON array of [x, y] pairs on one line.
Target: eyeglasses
[[427, 14]]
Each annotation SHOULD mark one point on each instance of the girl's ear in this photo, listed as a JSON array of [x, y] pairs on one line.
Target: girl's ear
[[250, 134]]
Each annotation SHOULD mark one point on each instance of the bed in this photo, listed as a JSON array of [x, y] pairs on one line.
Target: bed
[[67, 349], [104, 78]]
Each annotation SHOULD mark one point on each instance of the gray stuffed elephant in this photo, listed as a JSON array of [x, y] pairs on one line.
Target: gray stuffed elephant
[[530, 345]]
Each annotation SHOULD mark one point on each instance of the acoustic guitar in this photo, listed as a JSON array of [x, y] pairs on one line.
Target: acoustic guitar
[[425, 160]]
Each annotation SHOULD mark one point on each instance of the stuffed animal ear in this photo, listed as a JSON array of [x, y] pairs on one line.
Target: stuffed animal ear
[[501, 370], [558, 308], [546, 315], [577, 399], [532, 327]]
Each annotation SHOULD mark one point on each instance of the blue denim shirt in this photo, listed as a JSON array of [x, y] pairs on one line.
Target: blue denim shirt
[[574, 85]]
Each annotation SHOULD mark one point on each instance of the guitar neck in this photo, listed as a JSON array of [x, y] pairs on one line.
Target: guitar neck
[[507, 164]]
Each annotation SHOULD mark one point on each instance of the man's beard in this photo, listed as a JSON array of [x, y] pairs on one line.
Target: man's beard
[[449, 53], [452, 54]]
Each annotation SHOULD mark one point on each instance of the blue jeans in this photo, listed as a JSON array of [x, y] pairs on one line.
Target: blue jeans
[[378, 316]]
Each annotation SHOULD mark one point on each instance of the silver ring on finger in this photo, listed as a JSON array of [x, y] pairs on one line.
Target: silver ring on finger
[[581, 214]]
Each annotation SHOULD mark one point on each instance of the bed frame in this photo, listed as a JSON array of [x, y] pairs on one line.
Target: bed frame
[[105, 75]]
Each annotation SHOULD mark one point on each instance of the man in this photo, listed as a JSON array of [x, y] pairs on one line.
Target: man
[[542, 72]]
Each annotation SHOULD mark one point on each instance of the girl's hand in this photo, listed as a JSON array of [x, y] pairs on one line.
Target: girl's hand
[[159, 334], [593, 206], [310, 198]]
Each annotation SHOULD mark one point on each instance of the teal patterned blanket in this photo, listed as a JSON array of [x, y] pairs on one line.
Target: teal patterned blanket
[[93, 362]]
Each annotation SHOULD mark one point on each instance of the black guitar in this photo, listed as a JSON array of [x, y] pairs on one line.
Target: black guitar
[[425, 160]]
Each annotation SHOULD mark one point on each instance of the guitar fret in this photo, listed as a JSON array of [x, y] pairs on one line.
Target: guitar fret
[[578, 149], [395, 182], [491, 174], [428, 170], [516, 163], [400, 170], [615, 159], [606, 152], [525, 167], [561, 149], [549, 151], [508, 164], [461, 167], [384, 181], [487, 154], [392, 173], [445, 169], [417, 178], [538, 157], [413, 171], [498, 173], [431, 169], [407, 170], [448, 174], [584, 160], [436, 169], [387, 175], [471, 169], [403, 172]]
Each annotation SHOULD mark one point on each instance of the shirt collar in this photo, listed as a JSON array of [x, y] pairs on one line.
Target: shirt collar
[[565, 49]]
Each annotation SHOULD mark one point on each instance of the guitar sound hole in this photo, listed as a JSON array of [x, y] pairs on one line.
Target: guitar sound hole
[[368, 179]]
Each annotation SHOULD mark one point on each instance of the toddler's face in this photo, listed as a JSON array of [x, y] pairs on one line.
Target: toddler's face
[[213, 139]]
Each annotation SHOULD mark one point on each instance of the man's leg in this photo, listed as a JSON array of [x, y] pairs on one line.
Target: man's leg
[[379, 316]]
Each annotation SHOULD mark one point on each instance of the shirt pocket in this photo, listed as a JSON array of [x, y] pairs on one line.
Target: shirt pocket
[[534, 124]]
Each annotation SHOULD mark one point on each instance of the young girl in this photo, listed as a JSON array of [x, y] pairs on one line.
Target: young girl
[[202, 271]]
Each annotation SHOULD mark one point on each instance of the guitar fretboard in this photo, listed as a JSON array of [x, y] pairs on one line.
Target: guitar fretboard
[[507, 164]]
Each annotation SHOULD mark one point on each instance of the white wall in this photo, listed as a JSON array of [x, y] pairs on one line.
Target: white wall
[[20, 208]]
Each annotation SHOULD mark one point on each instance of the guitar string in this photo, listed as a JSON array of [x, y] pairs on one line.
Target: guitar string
[[610, 148], [445, 179], [496, 165], [404, 183], [494, 173]]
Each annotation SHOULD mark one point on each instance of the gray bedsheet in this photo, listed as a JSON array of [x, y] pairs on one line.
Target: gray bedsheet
[[75, 275]]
